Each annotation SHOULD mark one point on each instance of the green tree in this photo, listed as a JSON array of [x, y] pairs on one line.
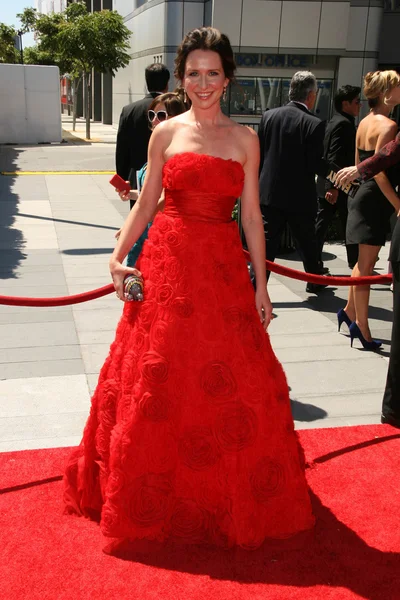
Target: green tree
[[8, 52], [33, 55], [80, 42], [28, 19]]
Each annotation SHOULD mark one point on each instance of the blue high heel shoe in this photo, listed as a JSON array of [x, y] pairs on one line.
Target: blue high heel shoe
[[343, 318], [356, 333]]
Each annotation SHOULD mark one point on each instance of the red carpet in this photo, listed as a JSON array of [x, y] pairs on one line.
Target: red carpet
[[354, 552]]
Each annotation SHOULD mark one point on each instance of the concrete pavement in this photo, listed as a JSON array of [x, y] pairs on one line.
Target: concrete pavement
[[56, 233]]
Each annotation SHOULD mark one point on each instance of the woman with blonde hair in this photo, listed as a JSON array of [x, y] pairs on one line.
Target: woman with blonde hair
[[370, 210]]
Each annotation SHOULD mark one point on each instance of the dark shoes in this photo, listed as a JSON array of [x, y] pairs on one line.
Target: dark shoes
[[388, 420], [315, 288]]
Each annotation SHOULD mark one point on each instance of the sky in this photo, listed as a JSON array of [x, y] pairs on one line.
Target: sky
[[8, 11]]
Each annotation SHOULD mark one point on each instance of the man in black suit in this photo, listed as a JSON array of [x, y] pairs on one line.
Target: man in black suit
[[291, 142], [339, 151], [134, 132]]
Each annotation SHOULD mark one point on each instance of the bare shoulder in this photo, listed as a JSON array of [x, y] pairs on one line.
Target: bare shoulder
[[245, 136], [391, 126], [163, 134], [383, 122]]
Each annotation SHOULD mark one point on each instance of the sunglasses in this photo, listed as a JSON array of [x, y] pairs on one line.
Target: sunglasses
[[161, 115]]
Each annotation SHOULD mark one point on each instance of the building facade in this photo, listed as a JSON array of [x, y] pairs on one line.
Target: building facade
[[338, 40], [47, 7]]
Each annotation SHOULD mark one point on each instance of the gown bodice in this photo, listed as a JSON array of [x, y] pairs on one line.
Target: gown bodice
[[201, 186]]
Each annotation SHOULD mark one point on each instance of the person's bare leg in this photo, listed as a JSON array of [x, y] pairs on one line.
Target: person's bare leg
[[364, 268], [350, 308]]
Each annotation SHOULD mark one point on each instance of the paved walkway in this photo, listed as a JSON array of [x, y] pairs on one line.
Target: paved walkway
[[99, 133], [56, 233]]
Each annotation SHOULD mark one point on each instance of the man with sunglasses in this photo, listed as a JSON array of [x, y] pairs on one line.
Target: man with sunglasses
[[133, 132], [339, 152]]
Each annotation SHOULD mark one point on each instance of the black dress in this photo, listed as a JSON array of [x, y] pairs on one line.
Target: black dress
[[370, 210]]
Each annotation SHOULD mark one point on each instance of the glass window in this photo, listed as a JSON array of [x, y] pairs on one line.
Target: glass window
[[391, 5], [243, 97], [269, 91], [251, 96], [285, 91], [322, 106]]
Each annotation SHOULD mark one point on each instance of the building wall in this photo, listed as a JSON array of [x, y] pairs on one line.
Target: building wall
[[30, 104], [338, 40], [49, 6], [157, 29], [389, 47]]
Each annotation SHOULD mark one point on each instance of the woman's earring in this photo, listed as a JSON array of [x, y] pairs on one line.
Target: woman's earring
[[184, 96], [224, 95]]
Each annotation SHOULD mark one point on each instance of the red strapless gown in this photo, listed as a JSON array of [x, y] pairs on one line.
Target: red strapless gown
[[190, 434]]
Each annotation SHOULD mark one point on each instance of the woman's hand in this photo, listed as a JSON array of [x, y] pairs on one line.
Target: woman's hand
[[264, 307], [132, 195], [118, 234], [346, 175], [118, 274]]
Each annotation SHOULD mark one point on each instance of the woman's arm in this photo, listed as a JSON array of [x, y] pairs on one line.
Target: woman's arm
[[387, 135], [143, 210], [253, 224]]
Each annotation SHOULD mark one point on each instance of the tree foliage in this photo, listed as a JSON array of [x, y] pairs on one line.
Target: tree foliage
[[28, 19], [79, 42], [33, 55], [8, 52]]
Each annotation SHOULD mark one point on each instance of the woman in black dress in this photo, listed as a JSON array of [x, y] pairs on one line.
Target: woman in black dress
[[370, 210]]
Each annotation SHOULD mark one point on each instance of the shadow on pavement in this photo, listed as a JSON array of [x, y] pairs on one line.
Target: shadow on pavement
[[87, 251], [306, 412], [329, 303], [11, 240], [54, 220]]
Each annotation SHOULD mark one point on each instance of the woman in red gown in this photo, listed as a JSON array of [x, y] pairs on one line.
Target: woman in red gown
[[190, 435]]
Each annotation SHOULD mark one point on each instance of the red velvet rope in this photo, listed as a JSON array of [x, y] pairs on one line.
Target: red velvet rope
[[275, 268], [61, 301], [323, 279]]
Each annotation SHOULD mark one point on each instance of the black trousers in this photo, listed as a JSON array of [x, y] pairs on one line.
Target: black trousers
[[302, 227], [325, 214], [391, 397]]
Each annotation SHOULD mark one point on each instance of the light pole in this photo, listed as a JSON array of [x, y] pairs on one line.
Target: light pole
[[21, 33]]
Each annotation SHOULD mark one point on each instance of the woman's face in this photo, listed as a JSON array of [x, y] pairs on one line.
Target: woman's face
[[204, 79], [158, 115]]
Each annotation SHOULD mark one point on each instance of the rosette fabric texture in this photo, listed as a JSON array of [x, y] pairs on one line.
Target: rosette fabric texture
[[190, 434]]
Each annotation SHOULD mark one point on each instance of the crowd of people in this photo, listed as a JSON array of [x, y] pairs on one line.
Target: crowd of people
[[190, 435]]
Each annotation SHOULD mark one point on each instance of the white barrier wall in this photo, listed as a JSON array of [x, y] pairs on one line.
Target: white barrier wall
[[30, 104]]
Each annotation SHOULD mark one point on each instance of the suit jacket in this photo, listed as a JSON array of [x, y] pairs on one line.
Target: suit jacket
[[387, 156], [133, 138], [291, 143], [339, 147]]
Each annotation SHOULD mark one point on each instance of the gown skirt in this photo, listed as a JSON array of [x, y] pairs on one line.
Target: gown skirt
[[190, 435]]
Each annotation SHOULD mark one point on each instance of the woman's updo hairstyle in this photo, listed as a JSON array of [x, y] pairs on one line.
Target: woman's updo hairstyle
[[206, 38], [378, 83]]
